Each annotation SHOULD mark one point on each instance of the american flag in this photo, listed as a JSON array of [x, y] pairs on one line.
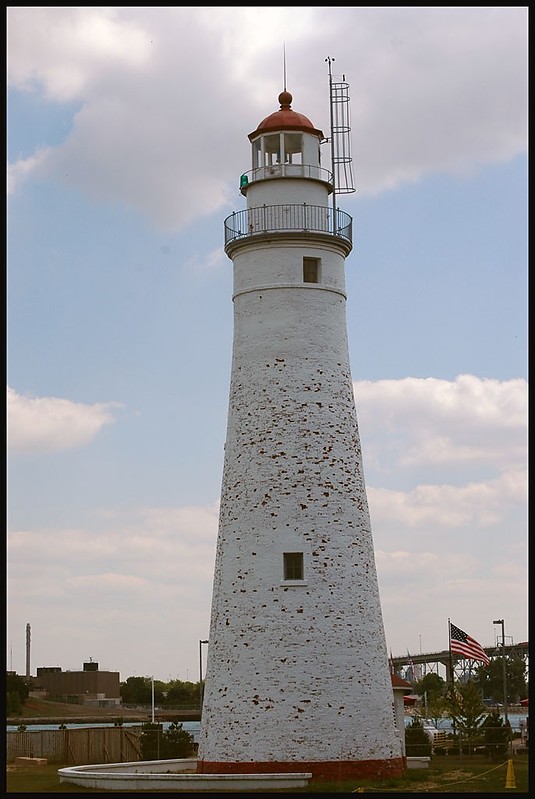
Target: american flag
[[463, 644]]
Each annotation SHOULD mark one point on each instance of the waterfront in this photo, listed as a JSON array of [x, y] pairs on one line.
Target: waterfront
[[516, 720]]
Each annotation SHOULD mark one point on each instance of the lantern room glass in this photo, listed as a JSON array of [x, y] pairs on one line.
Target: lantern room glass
[[278, 148]]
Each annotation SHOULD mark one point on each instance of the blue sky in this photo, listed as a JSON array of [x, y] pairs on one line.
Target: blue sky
[[127, 134]]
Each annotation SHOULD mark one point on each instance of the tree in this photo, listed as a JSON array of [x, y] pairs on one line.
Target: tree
[[150, 739], [177, 741], [490, 679], [436, 708], [138, 691], [417, 743], [467, 711], [496, 735], [13, 704], [431, 685], [182, 694], [432, 688], [17, 692], [157, 744]]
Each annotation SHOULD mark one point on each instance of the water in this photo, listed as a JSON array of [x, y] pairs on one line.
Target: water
[[516, 720]]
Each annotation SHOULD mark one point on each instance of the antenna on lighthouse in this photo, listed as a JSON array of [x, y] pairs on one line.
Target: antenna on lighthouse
[[340, 138]]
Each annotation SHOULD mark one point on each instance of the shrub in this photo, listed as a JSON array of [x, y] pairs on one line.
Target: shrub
[[171, 744], [417, 743], [496, 736]]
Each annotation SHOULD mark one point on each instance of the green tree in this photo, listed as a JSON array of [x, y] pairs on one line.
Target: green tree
[[151, 740], [417, 742], [177, 741], [157, 744], [182, 694], [138, 691], [13, 704], [496, 735], [432, 685], [17, 692], [437, 707], [467, 711], [490, 679]]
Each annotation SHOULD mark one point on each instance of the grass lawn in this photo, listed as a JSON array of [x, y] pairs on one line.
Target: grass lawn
[[445, 775]]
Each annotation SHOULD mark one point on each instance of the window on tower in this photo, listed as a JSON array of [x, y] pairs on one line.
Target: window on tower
[[293, 566], [272, 149], [293, 148], [311, 270]]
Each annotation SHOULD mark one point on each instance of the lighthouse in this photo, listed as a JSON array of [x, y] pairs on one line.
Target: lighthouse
[[297, 674]]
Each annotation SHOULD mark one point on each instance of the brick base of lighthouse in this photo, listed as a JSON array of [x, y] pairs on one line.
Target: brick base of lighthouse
[[320, 769]]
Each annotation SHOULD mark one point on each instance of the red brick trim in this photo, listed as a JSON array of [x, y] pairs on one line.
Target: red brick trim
[[325, 770]]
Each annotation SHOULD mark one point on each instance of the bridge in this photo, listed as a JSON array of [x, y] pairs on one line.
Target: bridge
[[432, 661]]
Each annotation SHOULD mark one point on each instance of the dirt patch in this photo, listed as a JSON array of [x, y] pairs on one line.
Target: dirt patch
[[456, 775]]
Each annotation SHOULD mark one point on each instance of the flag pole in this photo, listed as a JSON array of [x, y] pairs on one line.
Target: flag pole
[[451, 656], [452, 689]]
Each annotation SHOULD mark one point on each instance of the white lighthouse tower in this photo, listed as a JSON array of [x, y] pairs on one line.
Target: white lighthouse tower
[[297, 675]]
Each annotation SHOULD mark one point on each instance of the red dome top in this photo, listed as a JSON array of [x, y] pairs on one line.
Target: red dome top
[[285, 119]]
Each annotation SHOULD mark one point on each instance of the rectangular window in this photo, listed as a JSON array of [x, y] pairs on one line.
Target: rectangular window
[[311, 270], [272, 149], [293, 148], [257, 153], [293, 566]]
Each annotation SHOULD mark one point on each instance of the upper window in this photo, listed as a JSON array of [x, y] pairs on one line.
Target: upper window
[[311, 270], [272, 149], [293, 566], [278, 148], [293, 148]]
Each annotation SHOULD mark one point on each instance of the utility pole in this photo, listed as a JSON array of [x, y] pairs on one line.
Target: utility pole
[[504, 666]]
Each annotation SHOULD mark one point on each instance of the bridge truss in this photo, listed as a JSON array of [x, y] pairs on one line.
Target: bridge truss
[[441, 664]]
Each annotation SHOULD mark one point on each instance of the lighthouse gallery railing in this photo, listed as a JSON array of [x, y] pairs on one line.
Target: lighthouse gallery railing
[[288, 218]]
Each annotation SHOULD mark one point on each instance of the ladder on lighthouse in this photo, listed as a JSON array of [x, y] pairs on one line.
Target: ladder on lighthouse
[[340, 138]]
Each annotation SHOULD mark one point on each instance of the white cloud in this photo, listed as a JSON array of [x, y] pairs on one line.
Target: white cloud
[[64, 52], [428, 421], [23, 168], [464, 544], [439, 507], [183, 87], [51, 424]]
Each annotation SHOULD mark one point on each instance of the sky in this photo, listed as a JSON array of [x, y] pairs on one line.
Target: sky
[[126, 136]]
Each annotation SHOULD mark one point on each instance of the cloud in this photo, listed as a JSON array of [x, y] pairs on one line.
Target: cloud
[[168, 96], [65, 54], [440, 507], [451, 542], [432, 422], [50, 424]]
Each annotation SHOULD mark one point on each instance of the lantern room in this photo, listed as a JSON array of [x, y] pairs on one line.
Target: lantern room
[[285, 144]]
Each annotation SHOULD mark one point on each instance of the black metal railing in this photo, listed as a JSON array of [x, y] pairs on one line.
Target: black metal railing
[[288, 218]]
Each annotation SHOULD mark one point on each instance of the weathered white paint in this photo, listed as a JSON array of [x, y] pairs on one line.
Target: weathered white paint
[[292, 190], [298, 671]]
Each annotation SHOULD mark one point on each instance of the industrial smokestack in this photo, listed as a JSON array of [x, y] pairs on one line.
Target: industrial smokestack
[[28, 639]]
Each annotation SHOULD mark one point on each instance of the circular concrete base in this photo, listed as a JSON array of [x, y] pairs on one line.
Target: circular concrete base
[[174, 775]]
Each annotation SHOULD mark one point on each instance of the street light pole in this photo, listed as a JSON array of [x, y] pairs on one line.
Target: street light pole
[[200, 676], [504, 666]]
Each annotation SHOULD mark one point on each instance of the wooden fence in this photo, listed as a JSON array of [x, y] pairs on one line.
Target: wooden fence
[[77, 747]]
